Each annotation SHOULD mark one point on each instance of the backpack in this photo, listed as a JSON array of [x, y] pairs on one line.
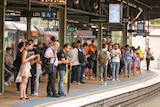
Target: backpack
[[81, 57], [92, 55], [103, 58]]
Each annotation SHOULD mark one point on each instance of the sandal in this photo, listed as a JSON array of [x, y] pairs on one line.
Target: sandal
[[27, 98], [21, 98]]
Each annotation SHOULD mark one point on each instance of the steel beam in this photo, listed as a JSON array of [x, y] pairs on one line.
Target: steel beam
[[2, 19]]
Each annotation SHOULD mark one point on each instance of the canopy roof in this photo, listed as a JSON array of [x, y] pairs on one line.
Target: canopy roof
[[81, 12]]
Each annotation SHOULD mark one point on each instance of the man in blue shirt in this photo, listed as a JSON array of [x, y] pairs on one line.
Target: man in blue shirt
[[127, 57]]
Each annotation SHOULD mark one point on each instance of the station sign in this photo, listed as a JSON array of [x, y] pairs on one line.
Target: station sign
[[12, 17], [98, 19], [58, 2], [49, 14]]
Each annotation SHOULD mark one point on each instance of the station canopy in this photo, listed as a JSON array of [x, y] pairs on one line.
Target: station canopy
[[82, 10]]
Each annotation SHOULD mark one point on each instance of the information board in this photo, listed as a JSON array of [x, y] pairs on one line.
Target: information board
[[114, 13]]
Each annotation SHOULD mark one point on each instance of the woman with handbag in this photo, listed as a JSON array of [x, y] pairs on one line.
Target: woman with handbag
[[148, 57]]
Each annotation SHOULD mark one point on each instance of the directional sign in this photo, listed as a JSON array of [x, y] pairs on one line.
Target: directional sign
[[30, 14], [72, 29], [39, 14]]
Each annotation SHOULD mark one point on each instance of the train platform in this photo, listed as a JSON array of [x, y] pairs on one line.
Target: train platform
[[10, 98]]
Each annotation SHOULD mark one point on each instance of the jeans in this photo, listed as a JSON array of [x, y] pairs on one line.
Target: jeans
[[127, 65], [9, 74], [115, 70], [51, 82], [103, 71], [76, 73], [36, 87], [62, 74], [82, 72]]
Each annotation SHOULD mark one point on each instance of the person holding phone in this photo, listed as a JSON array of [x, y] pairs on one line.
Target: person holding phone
[[25, 67]]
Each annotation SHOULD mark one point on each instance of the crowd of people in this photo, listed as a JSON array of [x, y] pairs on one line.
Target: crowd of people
[[33, 60]]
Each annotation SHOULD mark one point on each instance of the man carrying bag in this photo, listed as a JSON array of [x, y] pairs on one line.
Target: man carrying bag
[[51, 53]]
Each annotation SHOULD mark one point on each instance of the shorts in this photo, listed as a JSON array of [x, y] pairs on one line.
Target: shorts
[[90, 64]]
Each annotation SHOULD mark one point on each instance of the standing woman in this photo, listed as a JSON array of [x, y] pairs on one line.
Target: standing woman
[[90, 59], [25, 67], [148, 57]]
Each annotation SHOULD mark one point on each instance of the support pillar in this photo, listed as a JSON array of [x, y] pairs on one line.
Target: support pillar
[[99, 40], [62, 26], [2, 22], [28, 28], [124, 35]]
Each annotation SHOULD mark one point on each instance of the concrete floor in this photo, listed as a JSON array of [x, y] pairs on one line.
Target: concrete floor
[[10, 97]]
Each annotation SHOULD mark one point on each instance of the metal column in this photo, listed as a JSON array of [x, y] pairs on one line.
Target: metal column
[[62, 26], [99, 39], [124, 35], [28, 28], [28, 21], [2, 26], [125, 27]]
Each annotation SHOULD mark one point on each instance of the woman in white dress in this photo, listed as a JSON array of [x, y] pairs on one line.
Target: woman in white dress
[[25, 67]]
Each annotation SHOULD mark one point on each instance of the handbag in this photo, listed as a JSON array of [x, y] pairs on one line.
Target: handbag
[[18, 79], [49, 68], [152, 58]]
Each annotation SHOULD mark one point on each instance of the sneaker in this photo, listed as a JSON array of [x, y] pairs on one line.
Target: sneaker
[[86, 77], [113, 80], [102, 83], [78, 83], [56, 95], [6, 83], [101, 79], [117, 80], [35, 94], [92, 78], [105, 83], [63, 95], [82, 82]]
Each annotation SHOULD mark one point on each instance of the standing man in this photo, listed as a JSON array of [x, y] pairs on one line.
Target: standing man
[[115, 54], [83, 66], [51, 53], [103, 58], [18, 61], [62, 67], [76, 68], [127, 57]]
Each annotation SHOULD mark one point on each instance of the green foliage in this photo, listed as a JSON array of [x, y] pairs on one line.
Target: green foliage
[[117, 37], [155, 21]]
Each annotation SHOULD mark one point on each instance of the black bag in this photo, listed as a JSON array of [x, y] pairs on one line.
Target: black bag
[[152, 58], [47, 66], [81, 57]]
